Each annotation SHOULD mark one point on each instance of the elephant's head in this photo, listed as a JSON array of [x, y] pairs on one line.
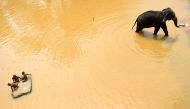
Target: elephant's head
[[169, 14]]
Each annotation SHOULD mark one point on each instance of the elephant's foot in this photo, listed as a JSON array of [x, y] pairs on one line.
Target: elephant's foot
[[155, 37], [165, 37]]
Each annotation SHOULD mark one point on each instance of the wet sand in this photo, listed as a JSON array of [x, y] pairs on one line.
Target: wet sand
[[84, 55]]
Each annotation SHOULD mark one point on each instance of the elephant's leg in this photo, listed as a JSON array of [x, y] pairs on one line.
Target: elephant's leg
[[164, 28], [156, 30]]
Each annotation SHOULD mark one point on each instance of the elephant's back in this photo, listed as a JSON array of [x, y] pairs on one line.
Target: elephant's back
[[149, 16]]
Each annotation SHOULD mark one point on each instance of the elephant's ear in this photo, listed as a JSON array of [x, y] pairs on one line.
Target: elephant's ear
[[165, 17], [165, 13]]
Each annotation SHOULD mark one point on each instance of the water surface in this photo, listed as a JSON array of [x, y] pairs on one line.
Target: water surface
[[83, 54]]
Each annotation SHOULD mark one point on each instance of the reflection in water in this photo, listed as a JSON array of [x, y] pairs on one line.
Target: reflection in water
[[84, 55], [152, 48]]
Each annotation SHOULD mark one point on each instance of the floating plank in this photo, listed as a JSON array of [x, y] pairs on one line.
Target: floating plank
[[23, 88]]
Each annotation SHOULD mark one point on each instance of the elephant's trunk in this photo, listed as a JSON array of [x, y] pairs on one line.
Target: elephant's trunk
[[175, 21]]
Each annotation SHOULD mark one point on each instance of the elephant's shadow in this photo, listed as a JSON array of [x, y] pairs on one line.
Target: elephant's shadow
[[159, 37]]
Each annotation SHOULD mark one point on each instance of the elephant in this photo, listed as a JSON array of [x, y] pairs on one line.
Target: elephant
[[156, 19]]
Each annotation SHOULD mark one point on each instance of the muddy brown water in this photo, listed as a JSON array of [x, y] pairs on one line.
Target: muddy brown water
[[83, 54]]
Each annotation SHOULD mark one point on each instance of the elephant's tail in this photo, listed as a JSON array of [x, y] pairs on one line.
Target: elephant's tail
[[134, 23]]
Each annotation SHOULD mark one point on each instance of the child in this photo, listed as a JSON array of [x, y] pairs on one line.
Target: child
[[24, 77], [14, 86], [15, 78]]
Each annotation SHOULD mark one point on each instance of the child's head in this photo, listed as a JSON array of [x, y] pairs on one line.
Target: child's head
[[23, 73]]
